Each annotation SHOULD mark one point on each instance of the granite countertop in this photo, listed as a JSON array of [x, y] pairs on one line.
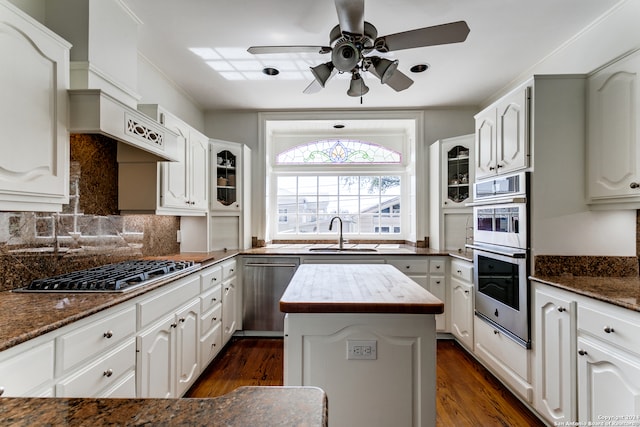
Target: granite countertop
[[33, 314], [621, 291], [245, 406], [380, 249], [356, 288]]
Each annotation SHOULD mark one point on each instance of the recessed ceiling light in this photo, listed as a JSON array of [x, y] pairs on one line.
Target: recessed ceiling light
[[338, 126], [419, 68], [270, 71]]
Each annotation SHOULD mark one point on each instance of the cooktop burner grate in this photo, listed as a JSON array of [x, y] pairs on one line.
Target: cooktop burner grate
[[117, 277]]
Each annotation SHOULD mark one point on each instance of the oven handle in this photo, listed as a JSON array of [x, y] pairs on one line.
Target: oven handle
[[497, 201], [516, 253]]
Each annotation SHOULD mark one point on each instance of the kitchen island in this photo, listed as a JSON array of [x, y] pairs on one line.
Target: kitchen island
[[364, 333]]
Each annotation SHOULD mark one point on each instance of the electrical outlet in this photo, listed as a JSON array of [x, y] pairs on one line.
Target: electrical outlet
[[362, 349], [178, 236]]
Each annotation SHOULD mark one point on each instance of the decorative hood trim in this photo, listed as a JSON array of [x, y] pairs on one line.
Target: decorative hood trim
[[94, 111]]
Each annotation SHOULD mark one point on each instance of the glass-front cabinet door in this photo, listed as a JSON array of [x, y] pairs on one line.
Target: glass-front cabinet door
[[226, 182], [458, 179]]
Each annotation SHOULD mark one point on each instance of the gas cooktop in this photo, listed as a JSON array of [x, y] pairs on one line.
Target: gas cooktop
[[119, 277]]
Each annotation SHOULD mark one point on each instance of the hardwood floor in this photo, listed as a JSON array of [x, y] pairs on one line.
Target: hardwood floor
[[467, 394]]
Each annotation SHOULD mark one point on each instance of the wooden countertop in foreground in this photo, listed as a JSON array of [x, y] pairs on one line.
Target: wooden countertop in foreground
[[356, 288], [245, 406]]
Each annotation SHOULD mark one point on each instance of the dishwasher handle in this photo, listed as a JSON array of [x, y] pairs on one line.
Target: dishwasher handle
[[269, 265]]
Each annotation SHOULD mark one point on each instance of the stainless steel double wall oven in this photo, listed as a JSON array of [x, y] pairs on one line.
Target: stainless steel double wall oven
[[501, 254]]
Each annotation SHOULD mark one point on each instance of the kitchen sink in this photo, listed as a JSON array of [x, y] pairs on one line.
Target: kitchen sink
[[343, 250]]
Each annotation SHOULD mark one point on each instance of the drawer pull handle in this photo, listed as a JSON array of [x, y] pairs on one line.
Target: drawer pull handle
[[496, 332], [437, 267], [407, 267], [459, 271], [634, 185], [108, 373], [608, 329], [562, 309], [582, 352], [108, 334]]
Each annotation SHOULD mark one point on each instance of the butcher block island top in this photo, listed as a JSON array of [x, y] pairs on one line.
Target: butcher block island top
[[356, 288]]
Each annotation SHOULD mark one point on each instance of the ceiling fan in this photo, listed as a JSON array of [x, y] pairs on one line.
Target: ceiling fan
[[354, 38]]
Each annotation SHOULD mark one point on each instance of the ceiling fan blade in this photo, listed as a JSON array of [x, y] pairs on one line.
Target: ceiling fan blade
[[288, 49], [315, 86], [453, 32], [399, 81], [351, 17]]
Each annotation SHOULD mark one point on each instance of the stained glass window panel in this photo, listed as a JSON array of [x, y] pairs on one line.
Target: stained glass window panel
[[338, 151]]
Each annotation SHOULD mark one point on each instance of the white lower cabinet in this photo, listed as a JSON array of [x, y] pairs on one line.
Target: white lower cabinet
[[504, 357], [608, 364], [555, 347], [462, 302], [231, 300], [25, 370], [168, 353], [430, 273]]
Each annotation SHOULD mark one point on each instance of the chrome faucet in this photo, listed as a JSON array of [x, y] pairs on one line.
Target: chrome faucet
[[340, 239]]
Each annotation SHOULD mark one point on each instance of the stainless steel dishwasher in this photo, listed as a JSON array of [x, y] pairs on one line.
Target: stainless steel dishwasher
[[264, 280]]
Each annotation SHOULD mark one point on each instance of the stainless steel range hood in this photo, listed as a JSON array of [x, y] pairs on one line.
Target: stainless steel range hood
[[94, 111]]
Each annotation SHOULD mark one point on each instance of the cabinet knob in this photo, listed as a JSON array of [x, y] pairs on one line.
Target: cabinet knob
[[108, 334], [108, 373], [608, 329], [407, 267], [496, 332], [498, 166], [562, 309], [491, 168], [582, 352], [466, 292], [634, 185], [182, 319], [174, 325], [459, 271], [437, 267], [214, 299]]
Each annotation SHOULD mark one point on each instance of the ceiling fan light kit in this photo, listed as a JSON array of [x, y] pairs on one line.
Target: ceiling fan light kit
[[354, 38]]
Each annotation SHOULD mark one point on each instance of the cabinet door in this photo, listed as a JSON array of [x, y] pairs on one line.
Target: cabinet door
[[607, 384], [226, 183], [462, 312], [512, 140], [614, 132], [187, 340], [555, 337], [198, 170], [174, 190], [438, 287], [34, 78], [155, 352], [229, 309], [458, 173], [485, 153]]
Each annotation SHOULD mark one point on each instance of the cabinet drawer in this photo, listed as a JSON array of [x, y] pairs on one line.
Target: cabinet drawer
[[210, 278], [210, 345], [438, 287], [228, 269], [27, 370], [103, 373], [410, 266], [124, 388], [611, 324], [211, 298], [94, 338], [437, 266], [168, 300], [210, 319], [462, 270]]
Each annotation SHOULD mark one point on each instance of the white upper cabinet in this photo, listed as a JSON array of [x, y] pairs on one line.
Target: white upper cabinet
[[502, 135], [613, 141], [167, 188], [34, 78]]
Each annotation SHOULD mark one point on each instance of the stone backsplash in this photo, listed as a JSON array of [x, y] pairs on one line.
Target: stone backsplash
[[593, 266], [89, 231]]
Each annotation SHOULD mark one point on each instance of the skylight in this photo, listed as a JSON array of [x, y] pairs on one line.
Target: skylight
[[234, 63]]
